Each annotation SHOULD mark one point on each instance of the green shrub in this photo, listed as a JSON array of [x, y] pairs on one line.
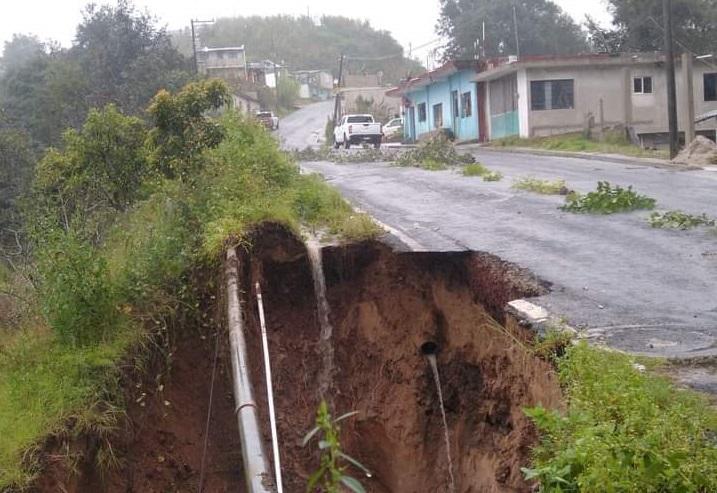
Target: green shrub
[[679, 220], [608, 200], [434, 153], [78, 298], [623, 431], [477, 169], [545, 187]]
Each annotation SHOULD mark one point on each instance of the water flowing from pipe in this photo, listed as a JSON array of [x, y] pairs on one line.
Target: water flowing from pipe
[[322, 305], [436, 378]]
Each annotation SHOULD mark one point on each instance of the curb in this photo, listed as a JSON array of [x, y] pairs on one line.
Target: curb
[[612, 158]]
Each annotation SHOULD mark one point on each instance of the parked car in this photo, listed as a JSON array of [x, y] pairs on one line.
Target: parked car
[[354, 129], [268, 119], [393, 128]]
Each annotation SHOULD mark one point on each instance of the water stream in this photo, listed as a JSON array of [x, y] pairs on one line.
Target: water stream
[[436, 378], [325, 343]]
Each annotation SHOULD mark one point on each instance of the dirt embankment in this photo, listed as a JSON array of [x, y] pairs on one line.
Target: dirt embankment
[[160, 443], [384, 306]]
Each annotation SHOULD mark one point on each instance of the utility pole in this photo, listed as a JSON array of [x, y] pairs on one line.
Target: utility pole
[[670, 69], [194, 22], [338, 89], [515, 28]]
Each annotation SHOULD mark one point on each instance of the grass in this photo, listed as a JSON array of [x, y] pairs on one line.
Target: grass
[[477, 169], [679, 220], [144, 260], [623, 430], [608, 199], [42, 385], [613, 143], [544, 187]]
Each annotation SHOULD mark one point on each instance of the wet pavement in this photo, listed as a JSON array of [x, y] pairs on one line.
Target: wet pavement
[[629, 285]]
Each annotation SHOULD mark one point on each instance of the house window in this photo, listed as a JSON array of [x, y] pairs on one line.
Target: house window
[[466, 104], [422, 112], [642, 85], [552, 94], [438, 115], [454, 103], [710, 87]]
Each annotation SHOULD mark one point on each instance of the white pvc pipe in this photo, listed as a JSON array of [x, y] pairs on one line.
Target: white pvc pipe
[[269, 391], [256, 467]]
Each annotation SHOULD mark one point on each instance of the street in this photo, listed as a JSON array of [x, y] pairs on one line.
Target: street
[[634, 287]]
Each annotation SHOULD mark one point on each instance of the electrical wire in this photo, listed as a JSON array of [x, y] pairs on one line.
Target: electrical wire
[[209, 415]]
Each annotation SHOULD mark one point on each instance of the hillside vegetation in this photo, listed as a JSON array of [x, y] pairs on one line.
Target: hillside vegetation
[[301, 43], [122, 213]]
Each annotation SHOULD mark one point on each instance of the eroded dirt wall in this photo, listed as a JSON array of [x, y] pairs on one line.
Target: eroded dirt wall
[[384, 306]]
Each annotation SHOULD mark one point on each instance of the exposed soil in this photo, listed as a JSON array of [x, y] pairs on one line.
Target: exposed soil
[[161, 443], [384, 306]]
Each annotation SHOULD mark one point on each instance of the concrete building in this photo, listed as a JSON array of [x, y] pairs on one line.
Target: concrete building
[[314, 84], [362, 80], [374, 100], [265, 73], [246, 102], [445, 98], [223, 63], [540, 96]]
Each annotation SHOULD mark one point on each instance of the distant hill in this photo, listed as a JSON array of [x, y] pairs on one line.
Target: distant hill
[[303, 43]]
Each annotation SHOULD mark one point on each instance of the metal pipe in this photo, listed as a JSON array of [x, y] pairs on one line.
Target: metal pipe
[[256, 466], [269, 391]]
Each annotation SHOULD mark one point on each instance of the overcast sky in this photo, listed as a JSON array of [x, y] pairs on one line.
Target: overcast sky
[[57, 19]]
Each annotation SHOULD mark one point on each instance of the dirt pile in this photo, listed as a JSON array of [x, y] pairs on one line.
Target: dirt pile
[[701, 151], [384, 307]]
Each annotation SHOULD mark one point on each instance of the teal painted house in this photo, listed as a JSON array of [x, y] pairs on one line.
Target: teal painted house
[[446, 98]]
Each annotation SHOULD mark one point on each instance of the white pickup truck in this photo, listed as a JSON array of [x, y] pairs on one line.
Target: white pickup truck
[[354, 129]]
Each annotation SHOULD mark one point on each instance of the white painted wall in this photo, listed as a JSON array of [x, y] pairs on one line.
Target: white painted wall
[[523, 103]]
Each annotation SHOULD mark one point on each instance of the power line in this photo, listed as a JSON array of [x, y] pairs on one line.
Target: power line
[[373, 59]]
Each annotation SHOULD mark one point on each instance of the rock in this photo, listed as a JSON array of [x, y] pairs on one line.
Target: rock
[[700, 151]]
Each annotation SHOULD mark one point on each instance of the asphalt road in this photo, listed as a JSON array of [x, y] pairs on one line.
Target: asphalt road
[[636, 288]]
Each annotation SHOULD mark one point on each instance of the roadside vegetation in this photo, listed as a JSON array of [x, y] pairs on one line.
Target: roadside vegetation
[[608, 199], [612, 143], [679, 220], [544, 187], [435, 153], [120, 216], [477, 169], [623, 429]]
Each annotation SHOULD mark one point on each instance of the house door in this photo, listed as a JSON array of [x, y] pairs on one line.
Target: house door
[[411, 123], [455, 114]]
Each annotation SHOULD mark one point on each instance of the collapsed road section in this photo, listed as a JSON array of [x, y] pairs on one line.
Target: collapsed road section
[[404, 325]]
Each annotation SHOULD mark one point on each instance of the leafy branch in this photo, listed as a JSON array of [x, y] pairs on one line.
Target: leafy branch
[[330, 475]]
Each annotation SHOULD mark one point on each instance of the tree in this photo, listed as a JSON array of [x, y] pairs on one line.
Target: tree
[[288, 91], [16, 162], [543, 28], [638, 24], [19, 50], [119, 57], [99, 169], [44, 96], [181, 128], [126, 57]]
